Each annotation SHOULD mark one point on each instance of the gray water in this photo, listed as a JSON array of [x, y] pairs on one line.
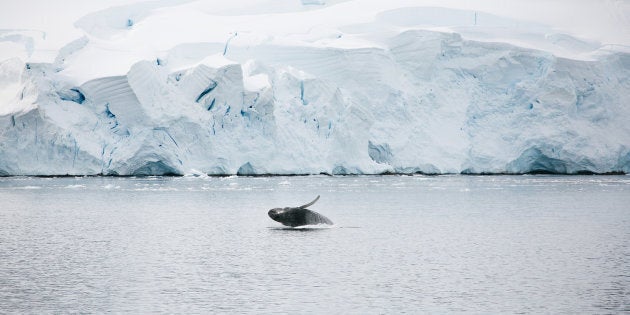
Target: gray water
[[446, 244]]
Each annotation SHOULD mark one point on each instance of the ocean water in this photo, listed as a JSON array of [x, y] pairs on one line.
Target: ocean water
[[400, 244]]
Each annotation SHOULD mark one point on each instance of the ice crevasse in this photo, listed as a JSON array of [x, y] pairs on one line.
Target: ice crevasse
[[419, 102]]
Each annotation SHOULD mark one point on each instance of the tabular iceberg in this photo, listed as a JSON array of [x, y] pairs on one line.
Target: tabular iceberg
[[411, 101]]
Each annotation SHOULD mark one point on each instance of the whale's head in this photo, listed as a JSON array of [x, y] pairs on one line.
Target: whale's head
[[275, 213]]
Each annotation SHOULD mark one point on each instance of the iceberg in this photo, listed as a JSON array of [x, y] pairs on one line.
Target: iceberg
[[393, 89]]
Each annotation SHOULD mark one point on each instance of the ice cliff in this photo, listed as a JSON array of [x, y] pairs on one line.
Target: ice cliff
[[137, 94]]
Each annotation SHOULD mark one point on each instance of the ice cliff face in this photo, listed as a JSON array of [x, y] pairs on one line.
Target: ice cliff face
[[419, 102]]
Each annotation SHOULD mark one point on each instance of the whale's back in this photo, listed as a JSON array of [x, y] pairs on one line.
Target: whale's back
[[300, 216]]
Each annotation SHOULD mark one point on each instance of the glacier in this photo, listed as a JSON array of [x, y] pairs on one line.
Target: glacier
[[143, 92]]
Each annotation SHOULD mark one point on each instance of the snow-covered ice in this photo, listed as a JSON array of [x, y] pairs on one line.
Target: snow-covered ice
[[309, 87]]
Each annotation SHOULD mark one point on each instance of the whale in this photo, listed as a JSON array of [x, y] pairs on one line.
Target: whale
[[298, 216]]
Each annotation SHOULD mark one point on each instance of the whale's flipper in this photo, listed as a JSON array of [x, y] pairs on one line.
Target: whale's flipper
[[309, 204], [313, 218]]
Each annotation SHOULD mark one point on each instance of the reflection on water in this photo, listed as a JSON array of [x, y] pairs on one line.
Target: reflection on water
[[299, 229], [489, 244]]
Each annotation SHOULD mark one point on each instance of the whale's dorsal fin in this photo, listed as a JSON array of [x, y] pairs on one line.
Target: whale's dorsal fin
[[309, 204]]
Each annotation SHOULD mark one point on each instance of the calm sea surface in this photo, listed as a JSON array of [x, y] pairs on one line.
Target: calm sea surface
[[446, 244]]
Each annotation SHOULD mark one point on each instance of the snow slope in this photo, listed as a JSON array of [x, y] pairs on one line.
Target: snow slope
[[309, 87]]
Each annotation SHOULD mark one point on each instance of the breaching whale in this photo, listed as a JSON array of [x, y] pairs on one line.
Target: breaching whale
[[298, 216]]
